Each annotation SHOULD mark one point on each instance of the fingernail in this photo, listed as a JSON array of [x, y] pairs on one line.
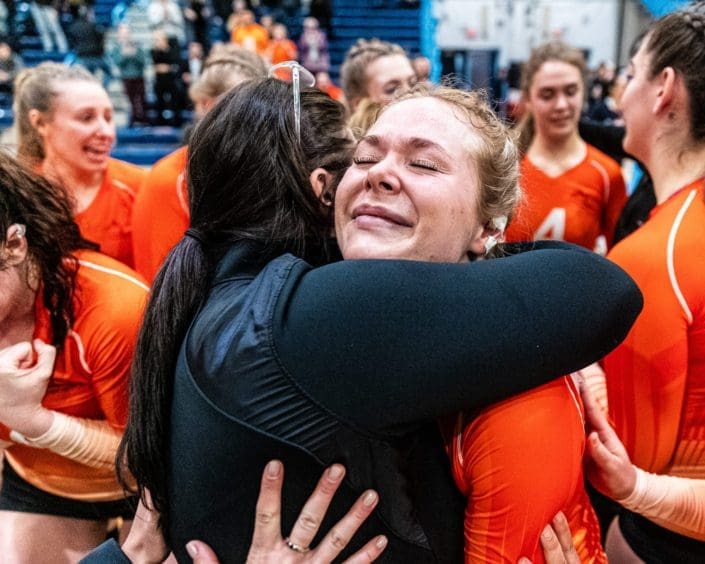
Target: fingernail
[[546, 533], [369, 499], [524, 561], [192, 549], [274, 468], [335, 472], [381, 541]]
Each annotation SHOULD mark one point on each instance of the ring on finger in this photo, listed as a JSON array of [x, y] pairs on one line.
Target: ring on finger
[[296, 547]]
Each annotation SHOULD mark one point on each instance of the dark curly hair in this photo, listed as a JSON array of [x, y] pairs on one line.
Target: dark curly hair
[[52, 237]]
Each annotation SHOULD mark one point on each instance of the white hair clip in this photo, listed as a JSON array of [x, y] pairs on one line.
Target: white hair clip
[[499, 222], [490, 243], [21, 230]]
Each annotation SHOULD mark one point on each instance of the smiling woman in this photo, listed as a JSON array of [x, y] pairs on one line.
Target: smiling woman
[[66, 132], [573, 191]]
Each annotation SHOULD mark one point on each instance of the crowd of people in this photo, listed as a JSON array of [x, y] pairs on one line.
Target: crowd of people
[[397, 299]]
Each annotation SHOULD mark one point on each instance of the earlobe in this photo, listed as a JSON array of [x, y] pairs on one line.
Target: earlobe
[[321, 181]]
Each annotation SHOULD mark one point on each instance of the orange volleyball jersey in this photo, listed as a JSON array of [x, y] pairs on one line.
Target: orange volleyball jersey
[[656, 377], [281, 50], [578, 206], [519, 462], [161, 213], [108, 219], [91, 374]]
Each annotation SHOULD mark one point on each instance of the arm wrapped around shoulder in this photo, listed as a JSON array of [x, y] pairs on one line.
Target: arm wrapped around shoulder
[[88, 441]]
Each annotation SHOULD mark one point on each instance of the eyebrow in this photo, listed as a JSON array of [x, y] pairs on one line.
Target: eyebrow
[[413, 142]]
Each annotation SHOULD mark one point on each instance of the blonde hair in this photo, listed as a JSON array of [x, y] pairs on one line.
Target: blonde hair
[[226, 67], [551, 51], [363, 117], [35, 89], [353, 72], [496, 156]]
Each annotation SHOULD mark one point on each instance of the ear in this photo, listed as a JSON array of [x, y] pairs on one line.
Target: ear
[[321, 181], [15, 247], [666, 93], [38, 121], [484, 236]]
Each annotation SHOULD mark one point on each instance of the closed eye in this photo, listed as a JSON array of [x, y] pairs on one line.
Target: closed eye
[[364, 159], [427, 165]]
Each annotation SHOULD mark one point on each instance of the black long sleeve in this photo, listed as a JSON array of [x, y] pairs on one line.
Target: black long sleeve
[[420, 339]]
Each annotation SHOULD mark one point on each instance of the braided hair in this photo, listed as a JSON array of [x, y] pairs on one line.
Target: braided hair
[[677, 40]]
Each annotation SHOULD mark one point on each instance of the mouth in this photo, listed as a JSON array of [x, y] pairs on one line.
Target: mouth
[[97, 152], [370, 216]]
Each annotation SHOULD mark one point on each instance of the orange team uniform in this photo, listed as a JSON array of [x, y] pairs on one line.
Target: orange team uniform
[[519, 462], [578, 206], [334, 92], [656, 377], [281, 50], [91, 375], [161, 213], [108, 219], [251, 35]]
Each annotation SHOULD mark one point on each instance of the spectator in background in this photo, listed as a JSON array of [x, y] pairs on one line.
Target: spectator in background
[[194, 65], [87, 41], [281, 48], [267, 22], [323, 12], [325, 84], [250, 35], [313, 47], [165, 16], [168, 90], [196, 14], [608, 110], [422, 69], [46, 20], [129, 57], [238, 6], [10, 65]]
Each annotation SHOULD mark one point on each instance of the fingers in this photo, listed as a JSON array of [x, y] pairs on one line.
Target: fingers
[[201, 553], [19, 355], [552, 550], [268, 510], [593, 412], [370, 552], [311, 515], [565, 538], [46, 355], [341, 533]]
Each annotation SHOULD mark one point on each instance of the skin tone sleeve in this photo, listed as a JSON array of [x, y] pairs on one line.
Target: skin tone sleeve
[[675, 503], [426, 339]]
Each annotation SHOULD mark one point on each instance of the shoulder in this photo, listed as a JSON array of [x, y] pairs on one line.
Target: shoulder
[[104, 281], [125, 176], [599, 160]]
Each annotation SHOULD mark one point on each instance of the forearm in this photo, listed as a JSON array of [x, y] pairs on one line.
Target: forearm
[[426, 339], [88, 441], [675, 503]]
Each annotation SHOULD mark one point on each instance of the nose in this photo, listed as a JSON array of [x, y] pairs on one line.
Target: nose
[[382, 177], [561, 101], [106, 127]]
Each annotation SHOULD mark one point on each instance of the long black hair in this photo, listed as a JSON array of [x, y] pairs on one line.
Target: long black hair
[[248, 177]]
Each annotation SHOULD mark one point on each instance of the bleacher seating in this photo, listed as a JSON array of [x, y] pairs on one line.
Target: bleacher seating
[[371, 18]]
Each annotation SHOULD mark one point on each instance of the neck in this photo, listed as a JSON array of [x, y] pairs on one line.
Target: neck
[[82, 185], [20, 326], [672, 169], [554, 157], [564, 147]]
